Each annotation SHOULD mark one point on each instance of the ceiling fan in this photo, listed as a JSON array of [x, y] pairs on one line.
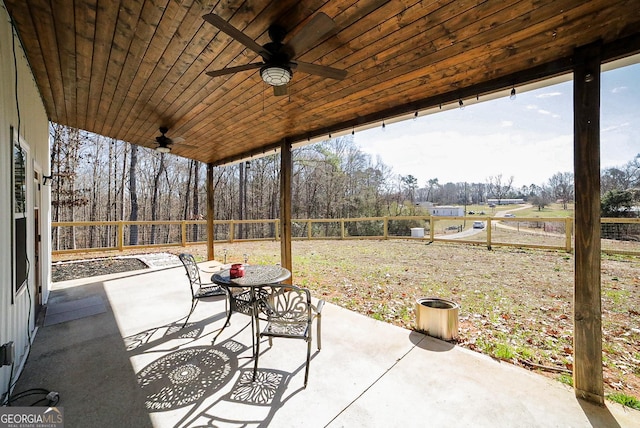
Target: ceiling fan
[[278, 59], [165, 142]]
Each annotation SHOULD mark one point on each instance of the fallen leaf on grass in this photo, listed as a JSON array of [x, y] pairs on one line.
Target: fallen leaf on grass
[[553, 333]]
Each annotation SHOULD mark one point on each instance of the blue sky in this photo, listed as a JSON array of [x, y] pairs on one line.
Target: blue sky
[[529, 137]]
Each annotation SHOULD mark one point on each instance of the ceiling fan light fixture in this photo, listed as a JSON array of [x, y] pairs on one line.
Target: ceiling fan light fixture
[[275, 75], [163, 149]]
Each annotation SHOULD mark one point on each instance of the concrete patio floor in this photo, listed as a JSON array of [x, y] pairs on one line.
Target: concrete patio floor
[[113, 348]]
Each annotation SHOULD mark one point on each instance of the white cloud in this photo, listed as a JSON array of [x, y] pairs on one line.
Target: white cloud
[[548, 113], [616, 127], [619, 89], [549, 95], [506, 123]]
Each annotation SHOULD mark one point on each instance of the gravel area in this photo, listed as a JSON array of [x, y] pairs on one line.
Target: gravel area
[[85, 268], [65, 271]]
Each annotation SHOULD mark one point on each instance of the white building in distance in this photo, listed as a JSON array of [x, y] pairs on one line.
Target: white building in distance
[[446, 211]]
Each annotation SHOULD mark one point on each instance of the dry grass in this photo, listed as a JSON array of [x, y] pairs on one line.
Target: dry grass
[[516, 304]]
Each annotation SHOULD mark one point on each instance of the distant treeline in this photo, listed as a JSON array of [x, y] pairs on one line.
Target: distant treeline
[[97, 178]]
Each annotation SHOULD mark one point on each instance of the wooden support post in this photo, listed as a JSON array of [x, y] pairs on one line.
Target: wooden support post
[[587, 341], [488, 229], [286, 173], [210, 213]]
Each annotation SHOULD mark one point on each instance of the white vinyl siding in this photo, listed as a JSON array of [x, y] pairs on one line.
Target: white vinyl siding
[[17, 317]]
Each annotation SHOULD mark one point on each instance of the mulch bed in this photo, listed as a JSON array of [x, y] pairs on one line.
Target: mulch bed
[[87, 268]]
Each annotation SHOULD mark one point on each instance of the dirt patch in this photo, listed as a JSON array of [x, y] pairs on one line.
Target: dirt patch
[[88, 268]]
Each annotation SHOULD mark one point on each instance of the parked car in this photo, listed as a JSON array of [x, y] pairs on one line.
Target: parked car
[[478, 224], [509, 215]]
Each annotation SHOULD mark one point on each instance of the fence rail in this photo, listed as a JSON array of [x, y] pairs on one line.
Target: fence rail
[[619, 235]]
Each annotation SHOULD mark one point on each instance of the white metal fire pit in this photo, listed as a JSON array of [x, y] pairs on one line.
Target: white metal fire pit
[[437, 317]]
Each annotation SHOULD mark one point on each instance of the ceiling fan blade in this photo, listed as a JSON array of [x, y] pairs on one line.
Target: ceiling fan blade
[[231, 70], [320, 70], [280, 91], [187, 146], [232, 31], [319, 26]]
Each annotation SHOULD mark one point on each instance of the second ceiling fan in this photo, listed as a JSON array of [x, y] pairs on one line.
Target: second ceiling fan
[[278, 59]]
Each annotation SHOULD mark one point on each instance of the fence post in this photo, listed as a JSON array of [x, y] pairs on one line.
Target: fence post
[[309, 229], [120, 235], [488, 233], [432, 229], [183, 232], [385, 232], [231, 230], [277, 224], [568, 226], [342, 231]]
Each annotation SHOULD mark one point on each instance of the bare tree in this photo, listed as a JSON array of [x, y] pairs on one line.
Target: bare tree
[[242, 197], [540, 196], [187, 192], [196, 199], [478, 193], [123, 181], [622, 178], [561, 186], [133, 196], [498, 188], [94, 161], [411, 184], [433, 185], [66, 157], [154, 198]]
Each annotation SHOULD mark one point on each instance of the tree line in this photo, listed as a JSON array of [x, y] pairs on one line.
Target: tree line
[[96, 178]]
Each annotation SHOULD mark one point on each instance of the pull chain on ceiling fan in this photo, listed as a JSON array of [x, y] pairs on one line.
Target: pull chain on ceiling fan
[[278, 59]]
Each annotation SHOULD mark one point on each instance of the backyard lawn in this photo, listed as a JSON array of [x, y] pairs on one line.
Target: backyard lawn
[[516, 304]]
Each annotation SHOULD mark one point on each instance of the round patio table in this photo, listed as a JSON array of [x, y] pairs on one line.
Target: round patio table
[[254, 275], [247, 302]]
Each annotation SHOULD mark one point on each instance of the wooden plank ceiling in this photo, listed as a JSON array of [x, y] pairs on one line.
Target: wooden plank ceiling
[[124, 68]]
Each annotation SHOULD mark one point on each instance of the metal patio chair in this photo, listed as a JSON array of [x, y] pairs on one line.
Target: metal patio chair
[[287, 312], [197, 287]]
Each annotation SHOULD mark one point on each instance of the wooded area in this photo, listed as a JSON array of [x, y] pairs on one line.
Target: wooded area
[[101, 179]]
